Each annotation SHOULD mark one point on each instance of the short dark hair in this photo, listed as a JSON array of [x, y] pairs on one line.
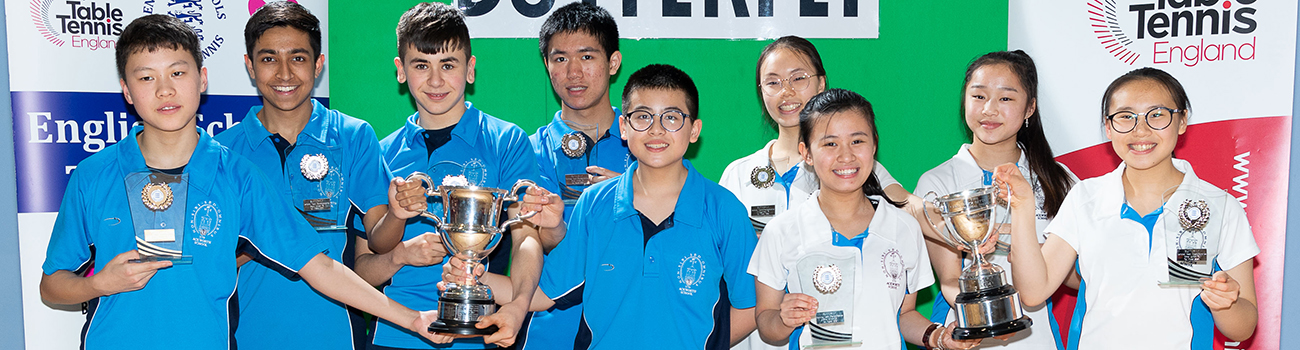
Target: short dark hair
[[1171, 84], [283, 14], [432, 28], [663, 77], [834, 101], [580, 17], [153, 32]]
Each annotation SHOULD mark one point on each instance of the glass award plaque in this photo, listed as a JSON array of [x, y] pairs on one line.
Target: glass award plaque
[[317, 192], [1192, 234], [829, 279], [158, 208]]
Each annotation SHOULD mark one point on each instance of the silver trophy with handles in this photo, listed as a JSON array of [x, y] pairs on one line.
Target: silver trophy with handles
[[469, 231], [987, 306]]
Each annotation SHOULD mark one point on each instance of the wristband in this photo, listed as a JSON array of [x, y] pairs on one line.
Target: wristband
[[925, 339]]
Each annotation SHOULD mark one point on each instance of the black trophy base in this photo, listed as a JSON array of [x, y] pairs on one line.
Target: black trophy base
[[460, 328], [1013, 326]]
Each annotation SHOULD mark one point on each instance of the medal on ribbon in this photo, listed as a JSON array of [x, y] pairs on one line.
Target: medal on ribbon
[[314, 166], [156, 196], [763, 177], [574, 144], [827, 278]]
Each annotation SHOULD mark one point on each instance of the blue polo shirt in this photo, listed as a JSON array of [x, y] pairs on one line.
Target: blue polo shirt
[[489, 152], [271, 307], [227, 211], [555, 328], [668, 291]]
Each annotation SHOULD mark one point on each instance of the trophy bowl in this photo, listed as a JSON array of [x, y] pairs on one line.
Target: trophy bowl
[[987, 306], [469, 231]]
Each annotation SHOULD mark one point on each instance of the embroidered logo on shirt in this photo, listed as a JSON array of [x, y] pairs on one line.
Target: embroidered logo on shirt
[[205, 221], [475, 172], [690, 272], [891, 262]]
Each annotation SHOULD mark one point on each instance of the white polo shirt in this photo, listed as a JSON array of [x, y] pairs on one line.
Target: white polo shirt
[[891, 263], [961, 173], [764, 203], [1121, 305]]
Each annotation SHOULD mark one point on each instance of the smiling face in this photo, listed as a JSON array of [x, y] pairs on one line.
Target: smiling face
[[165, 86], [996, 105], [657, 148], [437, 81], [785, 105], [841, 149], [285, 69], [580, 69], [1144, 148]]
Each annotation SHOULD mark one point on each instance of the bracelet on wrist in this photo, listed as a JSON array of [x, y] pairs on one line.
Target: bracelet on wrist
[[925, 339]]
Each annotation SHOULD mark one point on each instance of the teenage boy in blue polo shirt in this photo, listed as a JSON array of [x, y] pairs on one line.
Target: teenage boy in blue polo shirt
[[326, 162], [654, 253], [448, 136], [581, 145], [138, 303]]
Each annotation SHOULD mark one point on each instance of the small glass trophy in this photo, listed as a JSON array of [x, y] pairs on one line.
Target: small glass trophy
[[317, 193], [157, 203], [1192, 235], [829, 279]]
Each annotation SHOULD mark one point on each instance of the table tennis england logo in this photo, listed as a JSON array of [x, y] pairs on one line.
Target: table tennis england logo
[[80, 24], [1187, 32]]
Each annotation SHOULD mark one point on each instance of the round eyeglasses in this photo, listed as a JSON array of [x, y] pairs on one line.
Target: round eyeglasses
[[671, 121], [1157, 118], [797, 82]]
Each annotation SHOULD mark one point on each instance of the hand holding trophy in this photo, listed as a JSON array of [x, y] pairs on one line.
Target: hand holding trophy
[[469, 231]]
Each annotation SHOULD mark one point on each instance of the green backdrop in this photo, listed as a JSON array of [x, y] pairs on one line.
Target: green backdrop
[[912, 75]]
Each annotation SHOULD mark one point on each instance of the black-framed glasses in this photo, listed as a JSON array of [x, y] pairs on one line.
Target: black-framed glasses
[[671, 120], [797, 82], [1157, 118]]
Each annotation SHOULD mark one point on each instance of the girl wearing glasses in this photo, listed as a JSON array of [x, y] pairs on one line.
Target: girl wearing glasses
[[1137, 231], [772, 180], [1000, 109], [849, 257]]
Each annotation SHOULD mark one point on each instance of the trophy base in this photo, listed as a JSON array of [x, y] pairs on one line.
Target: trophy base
[[461, 328], [992, 331]]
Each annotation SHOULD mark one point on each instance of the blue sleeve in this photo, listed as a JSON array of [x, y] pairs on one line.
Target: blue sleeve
[[545, 162], [563, 271], [517, 158], [368, 187], [273, 232], [71, 247], [737, 242]]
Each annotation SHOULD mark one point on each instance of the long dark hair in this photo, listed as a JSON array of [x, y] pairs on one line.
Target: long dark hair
[[834, 101], [1052, 177]]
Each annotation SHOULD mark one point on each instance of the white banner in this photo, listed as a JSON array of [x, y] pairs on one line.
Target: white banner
[[1236, 60], [694, 19]]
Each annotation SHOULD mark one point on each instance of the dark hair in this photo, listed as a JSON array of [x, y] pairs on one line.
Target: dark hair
[[665, 77], [432, 28], [834, 101], [1170, 84], [1051, 176], [793, 43], [580, 17], [283, 14], [153, 32]]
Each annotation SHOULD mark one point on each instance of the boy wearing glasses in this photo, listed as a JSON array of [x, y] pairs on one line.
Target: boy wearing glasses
[[653, 254]]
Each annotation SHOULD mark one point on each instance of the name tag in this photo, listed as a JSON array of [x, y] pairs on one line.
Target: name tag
[[160, 235], [577, 180], [762, 210], [318, 204], [830, 317]]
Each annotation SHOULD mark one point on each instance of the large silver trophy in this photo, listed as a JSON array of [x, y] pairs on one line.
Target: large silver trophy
[[987, 306], [469, 231]]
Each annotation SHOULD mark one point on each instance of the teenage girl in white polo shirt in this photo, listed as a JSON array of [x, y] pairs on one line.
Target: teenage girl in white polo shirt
[[850, 258], [1117, 226], [1000, 108]]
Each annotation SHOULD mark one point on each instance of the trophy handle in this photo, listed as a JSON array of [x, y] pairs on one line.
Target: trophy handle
[[431, 190], [932, 198], [513, 196]]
